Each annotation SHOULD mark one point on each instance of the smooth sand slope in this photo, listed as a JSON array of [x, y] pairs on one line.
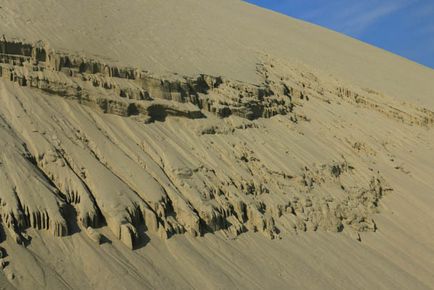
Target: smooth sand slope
[[208, 145]]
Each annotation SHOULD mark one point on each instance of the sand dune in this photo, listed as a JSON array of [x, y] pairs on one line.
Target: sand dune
[[208, 144]]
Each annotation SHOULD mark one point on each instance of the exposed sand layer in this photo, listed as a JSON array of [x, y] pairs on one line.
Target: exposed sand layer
[[212, 37], [134, 170]]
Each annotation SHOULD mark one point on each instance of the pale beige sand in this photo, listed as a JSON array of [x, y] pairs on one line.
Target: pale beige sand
[[214, 37], [208, 145]]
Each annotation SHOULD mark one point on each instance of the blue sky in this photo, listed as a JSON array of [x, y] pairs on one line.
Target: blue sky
[[405, 27]]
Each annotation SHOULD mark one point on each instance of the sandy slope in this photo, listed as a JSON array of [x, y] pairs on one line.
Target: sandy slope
[[308, 165], [214, 37]]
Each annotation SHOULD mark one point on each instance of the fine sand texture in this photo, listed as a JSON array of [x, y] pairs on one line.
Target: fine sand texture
[[208, 145]]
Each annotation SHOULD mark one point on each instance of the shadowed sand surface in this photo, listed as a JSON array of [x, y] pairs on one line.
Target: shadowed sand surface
[[208, 145]]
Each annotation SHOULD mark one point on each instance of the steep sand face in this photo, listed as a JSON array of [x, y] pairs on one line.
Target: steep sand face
[[214, 37], [210, 145]]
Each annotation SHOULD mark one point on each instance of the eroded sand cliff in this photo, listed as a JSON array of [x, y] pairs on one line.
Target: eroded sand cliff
[[116, 175]]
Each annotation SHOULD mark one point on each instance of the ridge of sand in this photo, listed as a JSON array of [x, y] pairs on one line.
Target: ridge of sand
[[211, 37]]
